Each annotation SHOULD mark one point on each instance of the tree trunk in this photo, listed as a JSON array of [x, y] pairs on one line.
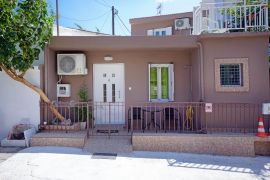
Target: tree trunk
[[43, 96]]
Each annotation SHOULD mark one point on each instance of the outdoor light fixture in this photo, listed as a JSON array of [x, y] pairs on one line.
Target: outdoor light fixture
[[108, 58]]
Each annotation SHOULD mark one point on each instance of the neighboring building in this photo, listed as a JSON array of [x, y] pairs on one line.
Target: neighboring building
[[65, 31], [169, 59]]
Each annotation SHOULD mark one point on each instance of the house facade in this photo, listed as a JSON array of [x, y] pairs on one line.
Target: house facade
[[167, 60]]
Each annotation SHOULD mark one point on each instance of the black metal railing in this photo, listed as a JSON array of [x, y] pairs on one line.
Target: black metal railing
[[179, 117]]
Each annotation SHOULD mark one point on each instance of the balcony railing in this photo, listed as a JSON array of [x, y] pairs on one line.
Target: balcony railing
[[230, 17]]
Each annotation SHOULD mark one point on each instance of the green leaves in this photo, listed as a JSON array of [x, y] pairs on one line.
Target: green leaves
[[25, 28]]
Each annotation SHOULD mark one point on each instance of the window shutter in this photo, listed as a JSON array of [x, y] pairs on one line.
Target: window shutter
[[150, 32]]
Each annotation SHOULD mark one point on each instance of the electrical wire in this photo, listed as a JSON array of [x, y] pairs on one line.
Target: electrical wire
[[90, 19], [106, 3], [102, 4], [121, 27], [104, 22], [123, 23]]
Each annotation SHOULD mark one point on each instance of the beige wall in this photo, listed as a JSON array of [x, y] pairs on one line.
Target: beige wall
[[136, 73], [195, 61], [215, 46], [50, 74], [253, 48]]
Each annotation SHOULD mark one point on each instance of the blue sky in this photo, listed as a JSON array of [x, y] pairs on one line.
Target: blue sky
[[92, 14]]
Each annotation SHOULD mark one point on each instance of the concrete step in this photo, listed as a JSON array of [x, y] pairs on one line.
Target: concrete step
[[105, 144]]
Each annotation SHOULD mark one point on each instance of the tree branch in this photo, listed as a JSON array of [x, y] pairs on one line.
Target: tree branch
[[36, 89], [22, 74]]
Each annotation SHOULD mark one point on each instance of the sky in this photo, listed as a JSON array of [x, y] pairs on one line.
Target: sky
[[96, 14]]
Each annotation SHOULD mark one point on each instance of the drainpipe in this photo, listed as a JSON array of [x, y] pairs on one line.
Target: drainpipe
[[201, 74]]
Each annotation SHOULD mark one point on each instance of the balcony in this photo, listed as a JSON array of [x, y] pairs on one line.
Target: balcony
[[230, 17]]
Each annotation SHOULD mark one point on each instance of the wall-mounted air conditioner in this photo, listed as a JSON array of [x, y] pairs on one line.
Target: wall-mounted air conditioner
[[63, 90], [71, 64], [182, 23]]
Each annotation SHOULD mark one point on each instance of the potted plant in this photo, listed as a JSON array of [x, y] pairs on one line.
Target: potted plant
[[82, 111]]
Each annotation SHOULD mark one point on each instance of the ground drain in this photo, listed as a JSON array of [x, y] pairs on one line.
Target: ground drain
[[104, 156], [107, 131]]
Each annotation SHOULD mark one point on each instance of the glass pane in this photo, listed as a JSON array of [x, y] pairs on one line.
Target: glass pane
[[163, 33], [165, 83], [230, 74], [104, 93], [113, 92], [153, 83]]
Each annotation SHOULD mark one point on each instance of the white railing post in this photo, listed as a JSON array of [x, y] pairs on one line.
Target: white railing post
[[245, 14], [266, 15]]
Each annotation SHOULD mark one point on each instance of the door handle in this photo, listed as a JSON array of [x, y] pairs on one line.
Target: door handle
[[119, 94]]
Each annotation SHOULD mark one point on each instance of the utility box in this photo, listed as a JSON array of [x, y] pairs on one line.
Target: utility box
[[63, 90], [266, 108]]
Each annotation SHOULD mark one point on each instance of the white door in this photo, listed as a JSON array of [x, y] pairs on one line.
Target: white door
[[109, 106]]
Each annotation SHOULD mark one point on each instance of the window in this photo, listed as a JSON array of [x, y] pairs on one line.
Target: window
[[161, 86], [160, 32], [231, 75]]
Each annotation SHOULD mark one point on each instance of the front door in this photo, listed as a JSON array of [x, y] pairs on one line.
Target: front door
[[109, 107]]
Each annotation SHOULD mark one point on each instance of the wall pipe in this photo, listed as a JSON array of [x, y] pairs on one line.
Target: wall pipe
[[201, 74]]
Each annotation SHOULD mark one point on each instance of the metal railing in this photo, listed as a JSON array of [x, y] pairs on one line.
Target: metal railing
[[193, 118], [167, 117], [235, 118], [177, 117], [220, 18], [75, 114]]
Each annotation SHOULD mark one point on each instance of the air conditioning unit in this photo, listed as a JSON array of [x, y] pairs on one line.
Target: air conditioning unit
[[71, 64], [182, 23], [63, 90]]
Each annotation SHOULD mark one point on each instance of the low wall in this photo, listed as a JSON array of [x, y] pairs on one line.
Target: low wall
[[71, 139], [18, 103], [218, 144]]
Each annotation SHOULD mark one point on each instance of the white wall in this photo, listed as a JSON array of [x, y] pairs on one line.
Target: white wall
[[18, 103]]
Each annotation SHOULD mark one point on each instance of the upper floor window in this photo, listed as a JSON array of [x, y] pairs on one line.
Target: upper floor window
[[160, 32]]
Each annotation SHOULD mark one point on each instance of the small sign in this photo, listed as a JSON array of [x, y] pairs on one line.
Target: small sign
[[266, 108], [208, 107]]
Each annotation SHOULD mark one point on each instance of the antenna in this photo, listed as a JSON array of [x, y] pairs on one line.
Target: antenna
[[159, 8]]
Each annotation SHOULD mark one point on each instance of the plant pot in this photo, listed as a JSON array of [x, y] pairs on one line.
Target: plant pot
[[83, 125]]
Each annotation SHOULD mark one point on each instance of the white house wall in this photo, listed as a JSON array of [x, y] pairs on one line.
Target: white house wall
[[18, 103]]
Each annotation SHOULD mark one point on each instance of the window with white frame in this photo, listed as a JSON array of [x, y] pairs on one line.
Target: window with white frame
[[160, 32], [161, 82]]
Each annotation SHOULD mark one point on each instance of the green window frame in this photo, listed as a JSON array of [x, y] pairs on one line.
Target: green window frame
[[161, 82]]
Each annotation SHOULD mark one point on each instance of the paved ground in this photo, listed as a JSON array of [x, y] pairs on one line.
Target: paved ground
[[105, 144], [72, 163], [6, 152]]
